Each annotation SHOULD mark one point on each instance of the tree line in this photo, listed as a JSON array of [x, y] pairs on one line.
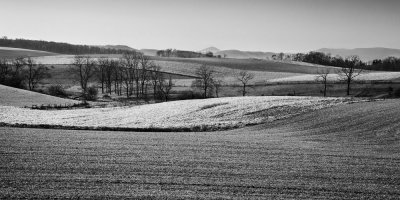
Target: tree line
[[387, 64], [182, 54], [57, 47], [22, 73]]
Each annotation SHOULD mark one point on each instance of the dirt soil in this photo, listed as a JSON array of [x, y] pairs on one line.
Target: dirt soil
[[345, 152]]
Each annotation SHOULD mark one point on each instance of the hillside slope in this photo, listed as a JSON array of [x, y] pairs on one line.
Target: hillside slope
[[244, 54], [374, 125], [10, 96], [252, 64], [8, 52], [212, 114]]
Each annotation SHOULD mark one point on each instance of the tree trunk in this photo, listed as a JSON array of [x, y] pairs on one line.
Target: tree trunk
[[127, 91], [154, 91], [348, 86]]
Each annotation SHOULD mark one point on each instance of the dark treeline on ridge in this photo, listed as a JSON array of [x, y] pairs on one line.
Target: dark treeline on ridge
[[57, 47], [182, 54], [387, 64]]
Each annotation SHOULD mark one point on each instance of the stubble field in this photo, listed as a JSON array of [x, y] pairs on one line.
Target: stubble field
[[341, 152]]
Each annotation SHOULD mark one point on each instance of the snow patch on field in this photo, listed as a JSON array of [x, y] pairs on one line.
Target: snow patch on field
[[218, 113]]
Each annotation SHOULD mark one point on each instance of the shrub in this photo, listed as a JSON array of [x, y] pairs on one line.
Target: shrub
[[91, 94], [106, 96], [189, 95], [57, 90], [397, 92], [209, 54], [14, 81]]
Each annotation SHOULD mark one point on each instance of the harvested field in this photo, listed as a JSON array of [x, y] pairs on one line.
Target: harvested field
[[342, 152]]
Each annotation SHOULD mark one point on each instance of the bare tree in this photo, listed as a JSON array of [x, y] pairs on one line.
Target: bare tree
[[19, 64], [205, 79], [323, 78], [16, 76], [244, 77], [83, 68], [162, 87], [217, 83], [101, 69], [131, 75], [156, 75], [117, 75], [351, 70], [35, 73], [165, 86], [144, 77], [5, 70]]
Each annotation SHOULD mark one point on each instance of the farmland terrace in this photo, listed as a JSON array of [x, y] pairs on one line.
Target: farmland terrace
[[350, 151]]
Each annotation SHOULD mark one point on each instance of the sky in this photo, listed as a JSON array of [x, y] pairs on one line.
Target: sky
[[250, 25]]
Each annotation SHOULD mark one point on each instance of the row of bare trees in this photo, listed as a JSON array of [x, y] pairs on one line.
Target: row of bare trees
[[348, 73], [133, 74], [209, 80], [22, 72]]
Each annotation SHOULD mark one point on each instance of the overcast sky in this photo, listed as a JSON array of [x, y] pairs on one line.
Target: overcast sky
[[255, 25]]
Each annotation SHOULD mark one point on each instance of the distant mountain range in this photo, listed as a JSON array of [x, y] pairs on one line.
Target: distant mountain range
[[233, 53], [366, 54]]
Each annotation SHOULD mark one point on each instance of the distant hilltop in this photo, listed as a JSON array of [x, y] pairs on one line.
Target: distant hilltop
[[213, 50]]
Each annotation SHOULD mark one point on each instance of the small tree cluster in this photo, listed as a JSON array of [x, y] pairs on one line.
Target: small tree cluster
[[351, 68], [22, 72], [207, 82], [133, 74]]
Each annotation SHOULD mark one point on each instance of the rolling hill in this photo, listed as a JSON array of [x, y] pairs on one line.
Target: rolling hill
[[8, 52], [366, 54], [10, 96], [216, 113], [251, 64], [348, 151]]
